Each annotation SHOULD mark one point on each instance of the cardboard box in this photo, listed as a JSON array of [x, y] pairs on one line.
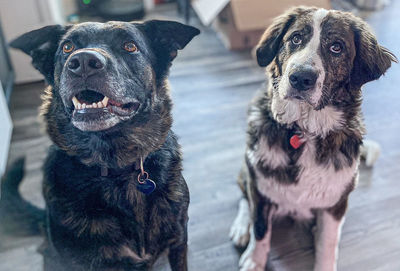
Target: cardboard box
[[240, 23], [233, 38]]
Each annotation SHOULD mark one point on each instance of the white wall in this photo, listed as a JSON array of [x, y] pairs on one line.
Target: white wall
[[5, 131], [18, 17]]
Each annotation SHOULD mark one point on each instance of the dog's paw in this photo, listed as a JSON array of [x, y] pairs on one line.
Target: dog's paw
[[370, 151], [239, 233], [247, 263]]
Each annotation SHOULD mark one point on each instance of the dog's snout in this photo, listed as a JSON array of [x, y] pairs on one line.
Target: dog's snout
[[303, 79], [86, 63]]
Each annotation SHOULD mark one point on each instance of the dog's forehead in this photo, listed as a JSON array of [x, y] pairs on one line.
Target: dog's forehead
[[92, 31], [329, 23], [338, 24], [303, 20]]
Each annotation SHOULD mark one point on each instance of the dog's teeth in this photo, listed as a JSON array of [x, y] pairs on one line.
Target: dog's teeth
[[105, 101], [75, 101], [100, 105], [79, 106], [94, 105], [83, 106]]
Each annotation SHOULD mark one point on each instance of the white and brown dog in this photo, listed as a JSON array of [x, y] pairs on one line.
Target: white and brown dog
[[305, 130]]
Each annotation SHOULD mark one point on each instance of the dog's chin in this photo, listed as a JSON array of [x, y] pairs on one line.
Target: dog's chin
[[94, 120], [288, 106]]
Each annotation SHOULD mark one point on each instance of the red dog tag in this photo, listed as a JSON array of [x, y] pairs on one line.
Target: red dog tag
[[295, 141]]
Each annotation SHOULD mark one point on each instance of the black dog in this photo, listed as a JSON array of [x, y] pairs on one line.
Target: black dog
[[115, 196]]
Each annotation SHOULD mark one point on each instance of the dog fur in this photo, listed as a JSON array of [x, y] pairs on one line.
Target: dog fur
[[97, 221], [313, 181]]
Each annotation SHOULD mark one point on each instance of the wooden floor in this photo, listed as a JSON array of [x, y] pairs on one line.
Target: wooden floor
[[211, 90]]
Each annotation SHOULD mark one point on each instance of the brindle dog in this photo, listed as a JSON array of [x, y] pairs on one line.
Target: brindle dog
[[107, 108]]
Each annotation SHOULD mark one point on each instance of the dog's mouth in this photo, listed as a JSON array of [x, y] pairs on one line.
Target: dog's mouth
[[89, 99], [93, 111], [293, 95]]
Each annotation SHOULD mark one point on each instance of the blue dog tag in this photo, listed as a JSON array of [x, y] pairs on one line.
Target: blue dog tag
[[146, 187]]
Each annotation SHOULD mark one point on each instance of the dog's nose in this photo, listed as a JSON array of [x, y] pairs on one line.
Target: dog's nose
[[303, 79], [86, 63]]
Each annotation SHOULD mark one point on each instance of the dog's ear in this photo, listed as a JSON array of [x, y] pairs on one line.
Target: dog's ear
[[271, 40], [167, 37], [41, 45], [371, 60]]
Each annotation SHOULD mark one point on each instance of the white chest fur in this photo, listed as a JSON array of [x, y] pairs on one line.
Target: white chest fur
[[318, 186]]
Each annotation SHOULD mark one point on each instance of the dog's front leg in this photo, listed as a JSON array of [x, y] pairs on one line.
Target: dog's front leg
[[327, 240], [177, 255], [178, 258], [255, 257]]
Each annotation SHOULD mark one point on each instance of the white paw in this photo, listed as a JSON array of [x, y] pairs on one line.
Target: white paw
[[246, 263], [239, 232], [370, 151]]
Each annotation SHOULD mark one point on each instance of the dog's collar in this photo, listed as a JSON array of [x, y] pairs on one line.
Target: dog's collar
[[144, 183], [113, 172]]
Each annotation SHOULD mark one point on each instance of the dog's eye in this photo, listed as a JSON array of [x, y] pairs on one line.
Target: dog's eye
[[68, 47], [296, 39], [336, 48], [130, 47]]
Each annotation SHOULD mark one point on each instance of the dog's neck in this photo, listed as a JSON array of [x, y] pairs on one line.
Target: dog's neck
[[310, 121], [105, 171]]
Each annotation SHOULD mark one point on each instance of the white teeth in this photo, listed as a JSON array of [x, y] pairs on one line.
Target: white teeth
[[105, 101], [75, 102], [101, 104]]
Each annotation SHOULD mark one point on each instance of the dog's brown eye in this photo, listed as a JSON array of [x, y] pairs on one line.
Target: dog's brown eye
[[296, 39], [336, 48], [68, 47], [130, 47]]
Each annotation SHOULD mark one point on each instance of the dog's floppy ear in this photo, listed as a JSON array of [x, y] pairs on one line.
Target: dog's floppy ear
[[271, 40], [371, 60], [41, 45], [167, 37]]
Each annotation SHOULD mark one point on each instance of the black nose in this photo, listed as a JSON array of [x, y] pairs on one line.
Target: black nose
[[303, 79], [86, 63]]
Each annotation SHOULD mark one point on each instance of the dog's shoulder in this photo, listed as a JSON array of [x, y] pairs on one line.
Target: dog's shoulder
[[166, 165], [261, 123]]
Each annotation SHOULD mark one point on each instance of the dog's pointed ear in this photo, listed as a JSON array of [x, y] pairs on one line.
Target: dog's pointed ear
[[271, 40], [371, 60], [167, 37], [41, 45]]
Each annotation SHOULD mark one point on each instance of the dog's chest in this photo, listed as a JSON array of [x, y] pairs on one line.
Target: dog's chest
[[316, 185]]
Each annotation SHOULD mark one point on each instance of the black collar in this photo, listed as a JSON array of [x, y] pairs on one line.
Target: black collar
[[113, 172]]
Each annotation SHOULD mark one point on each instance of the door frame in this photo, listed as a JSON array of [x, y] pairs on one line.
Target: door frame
[[9, 84]]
